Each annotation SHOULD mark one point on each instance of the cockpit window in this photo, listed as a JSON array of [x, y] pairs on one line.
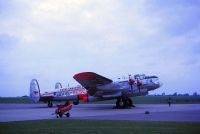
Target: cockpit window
[[143, 76], [148, 77], [139, 76]]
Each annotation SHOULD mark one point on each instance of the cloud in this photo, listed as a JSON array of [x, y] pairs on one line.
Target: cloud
[[52, 40]]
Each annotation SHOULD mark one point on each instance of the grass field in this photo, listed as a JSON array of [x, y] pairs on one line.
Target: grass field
[[20, 100], [136, 100], [97, 127]]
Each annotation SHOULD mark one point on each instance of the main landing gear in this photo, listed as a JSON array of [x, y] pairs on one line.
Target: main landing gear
[[124, 102]]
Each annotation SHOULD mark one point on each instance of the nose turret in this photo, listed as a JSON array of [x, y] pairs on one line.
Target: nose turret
[[154, 83], [157, 82], [160, 83]]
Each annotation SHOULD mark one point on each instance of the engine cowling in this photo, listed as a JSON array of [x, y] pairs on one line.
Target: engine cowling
[[84, 97], [131, 81]]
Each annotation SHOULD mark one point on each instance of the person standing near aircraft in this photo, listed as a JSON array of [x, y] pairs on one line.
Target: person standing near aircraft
[[170, 101]]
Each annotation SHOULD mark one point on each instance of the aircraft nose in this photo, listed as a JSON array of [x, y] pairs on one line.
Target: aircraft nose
[[160, 84]]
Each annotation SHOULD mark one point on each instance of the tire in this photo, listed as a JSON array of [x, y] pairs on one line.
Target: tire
[[130, 102], [118, 103], [125, 104], [60, 115], [67, 114]]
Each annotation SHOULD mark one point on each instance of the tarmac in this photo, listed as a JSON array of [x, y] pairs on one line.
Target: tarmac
[[157, 112]]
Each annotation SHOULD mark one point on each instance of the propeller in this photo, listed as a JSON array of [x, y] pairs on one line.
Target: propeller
[[139, 84], [131, 82]]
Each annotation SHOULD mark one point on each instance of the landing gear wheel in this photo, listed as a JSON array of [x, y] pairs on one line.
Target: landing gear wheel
[[119, 103], [60, 115], [124, 103], [67, 114], [130, 103]]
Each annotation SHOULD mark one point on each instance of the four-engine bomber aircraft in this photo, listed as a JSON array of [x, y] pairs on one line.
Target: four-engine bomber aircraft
[[98, 88]]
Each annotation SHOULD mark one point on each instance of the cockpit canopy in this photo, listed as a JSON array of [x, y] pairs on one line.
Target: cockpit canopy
[[143, 76]]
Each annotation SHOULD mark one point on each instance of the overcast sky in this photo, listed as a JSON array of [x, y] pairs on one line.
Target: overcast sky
[[52, 40]]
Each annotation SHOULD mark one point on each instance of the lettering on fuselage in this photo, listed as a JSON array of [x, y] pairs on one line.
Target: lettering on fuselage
[[70, 91]]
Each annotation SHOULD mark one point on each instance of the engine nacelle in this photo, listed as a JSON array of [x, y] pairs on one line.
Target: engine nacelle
[[84, 97]]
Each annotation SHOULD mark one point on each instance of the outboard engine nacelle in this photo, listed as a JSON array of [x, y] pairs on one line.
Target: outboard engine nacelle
[[34, 91]]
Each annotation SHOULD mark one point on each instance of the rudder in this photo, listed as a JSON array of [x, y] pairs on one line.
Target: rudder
[[34, 91]]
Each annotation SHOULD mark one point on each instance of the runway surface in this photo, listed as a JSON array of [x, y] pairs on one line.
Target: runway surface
[[158, 112]]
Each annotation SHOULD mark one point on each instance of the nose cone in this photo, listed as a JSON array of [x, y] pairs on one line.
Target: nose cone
[[157, 83], [160, 84]]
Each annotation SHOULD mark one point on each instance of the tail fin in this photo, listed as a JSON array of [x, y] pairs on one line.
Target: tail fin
[[58, 85], [34, 91]]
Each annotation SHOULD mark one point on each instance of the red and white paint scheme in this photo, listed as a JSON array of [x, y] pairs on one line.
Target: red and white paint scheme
[[95, 87]]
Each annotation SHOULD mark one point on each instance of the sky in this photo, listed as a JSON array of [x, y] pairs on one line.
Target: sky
[[53, 40]]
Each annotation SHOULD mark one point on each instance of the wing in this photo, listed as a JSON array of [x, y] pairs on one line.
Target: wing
[[90, 81]]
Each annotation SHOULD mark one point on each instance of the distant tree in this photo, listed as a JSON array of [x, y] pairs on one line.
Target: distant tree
[[175, 94], [163, 94], [195, 94], [186, 94]]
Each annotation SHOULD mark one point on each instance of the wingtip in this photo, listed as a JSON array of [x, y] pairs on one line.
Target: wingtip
[[84, 75]]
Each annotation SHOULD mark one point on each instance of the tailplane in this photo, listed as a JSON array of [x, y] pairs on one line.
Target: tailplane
[[34, 91]]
